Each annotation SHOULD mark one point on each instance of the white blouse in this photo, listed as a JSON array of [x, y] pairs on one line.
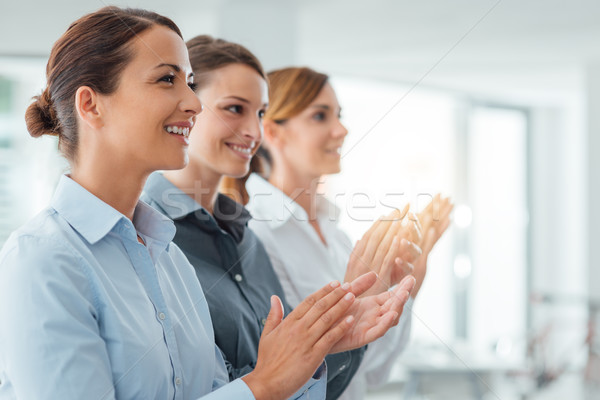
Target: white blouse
[[304, 264]]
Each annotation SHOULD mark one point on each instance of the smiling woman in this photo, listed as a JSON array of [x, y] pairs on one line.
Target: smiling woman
[[97, 301]]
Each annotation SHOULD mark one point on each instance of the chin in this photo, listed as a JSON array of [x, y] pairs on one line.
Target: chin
[[333, 169], [237, 173], [173, 165]]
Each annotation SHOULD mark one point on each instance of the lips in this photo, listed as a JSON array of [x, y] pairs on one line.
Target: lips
[[334, 151]]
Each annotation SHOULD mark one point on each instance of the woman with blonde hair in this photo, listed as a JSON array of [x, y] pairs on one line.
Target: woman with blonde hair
[[297, 225]]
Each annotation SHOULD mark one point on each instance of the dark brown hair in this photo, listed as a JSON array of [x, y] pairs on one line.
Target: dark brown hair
[[291, 90], [206, 55], [92, 52]]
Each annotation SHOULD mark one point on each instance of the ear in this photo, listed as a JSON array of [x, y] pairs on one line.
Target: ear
[[86, 104], [274, 135]]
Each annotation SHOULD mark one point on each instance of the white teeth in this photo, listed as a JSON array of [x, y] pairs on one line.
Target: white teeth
[[247, 150], [180, 130]]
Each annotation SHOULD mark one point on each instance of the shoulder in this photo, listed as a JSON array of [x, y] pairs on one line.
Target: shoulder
[[40, 261], [45, 237]]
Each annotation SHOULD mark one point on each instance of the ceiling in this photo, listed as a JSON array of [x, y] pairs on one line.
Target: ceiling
[[457, 44]]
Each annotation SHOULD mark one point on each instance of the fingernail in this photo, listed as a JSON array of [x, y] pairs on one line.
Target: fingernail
[[349, 319], [349, 296], [346, 286], [334, 284]]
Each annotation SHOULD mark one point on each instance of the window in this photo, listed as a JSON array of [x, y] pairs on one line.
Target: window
[[432, 142]]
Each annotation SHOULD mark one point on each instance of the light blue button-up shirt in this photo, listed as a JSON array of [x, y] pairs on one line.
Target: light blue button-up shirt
[[87, 312]]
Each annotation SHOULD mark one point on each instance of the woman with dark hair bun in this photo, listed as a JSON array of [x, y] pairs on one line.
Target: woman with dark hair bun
[[96, 302], [212, 229]]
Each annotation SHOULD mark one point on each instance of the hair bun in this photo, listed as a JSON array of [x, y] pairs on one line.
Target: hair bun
[[40, 116]]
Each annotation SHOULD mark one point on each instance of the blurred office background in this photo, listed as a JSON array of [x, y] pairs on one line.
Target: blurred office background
[[494, 103]]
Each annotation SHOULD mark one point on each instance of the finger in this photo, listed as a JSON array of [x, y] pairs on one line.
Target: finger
[[404, 211], [430, 240], [408, 283], [413, 228], [321, 307], [275, 315], [410, 251], [403, 269], [333, 335], [417, 221], [331, 317], [381, 326], [363, 283], [386, 245], [312, 299], [396, 301], [374, 240], [389, 260]]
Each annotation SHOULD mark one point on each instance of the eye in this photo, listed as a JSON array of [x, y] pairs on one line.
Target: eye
[[320, 116], [193, 86], [167, 78], [261, 114], [236, 109]]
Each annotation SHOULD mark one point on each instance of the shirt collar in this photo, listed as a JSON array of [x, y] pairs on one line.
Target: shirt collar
[[268, 203], [94, 219], [229, 215], [173, 201]]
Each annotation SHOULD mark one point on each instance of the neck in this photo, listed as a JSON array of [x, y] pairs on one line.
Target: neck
[[198, 182], [122, 194], [300, 188]]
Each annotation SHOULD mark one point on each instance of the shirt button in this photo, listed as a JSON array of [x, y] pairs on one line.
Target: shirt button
[[343, 367], [177, 381], [162, 316], [238, 277], [264, 321]]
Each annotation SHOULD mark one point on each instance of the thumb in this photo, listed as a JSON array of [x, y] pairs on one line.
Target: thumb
[[275, 315]]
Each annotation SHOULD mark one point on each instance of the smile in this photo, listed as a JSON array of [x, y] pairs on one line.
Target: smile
[[179, 130], [245, 151]]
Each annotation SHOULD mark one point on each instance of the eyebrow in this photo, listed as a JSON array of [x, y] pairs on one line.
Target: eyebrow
[[175, 67], [238, 98], [243, 100], [324, 107]]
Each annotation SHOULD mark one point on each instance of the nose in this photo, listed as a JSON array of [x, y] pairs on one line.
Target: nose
[[253, 130], [340, 130], [191, 103]]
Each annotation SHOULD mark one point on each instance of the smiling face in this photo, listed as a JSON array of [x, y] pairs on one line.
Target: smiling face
[[229, 131], [146, 121], [310, 143]]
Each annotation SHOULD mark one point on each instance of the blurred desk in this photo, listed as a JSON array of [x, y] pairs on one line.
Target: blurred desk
[[468, 367]]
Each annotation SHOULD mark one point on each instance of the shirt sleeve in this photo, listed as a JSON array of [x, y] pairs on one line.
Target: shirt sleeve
[[235, 373], [50, 346], [223, 389], [315, 388]]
